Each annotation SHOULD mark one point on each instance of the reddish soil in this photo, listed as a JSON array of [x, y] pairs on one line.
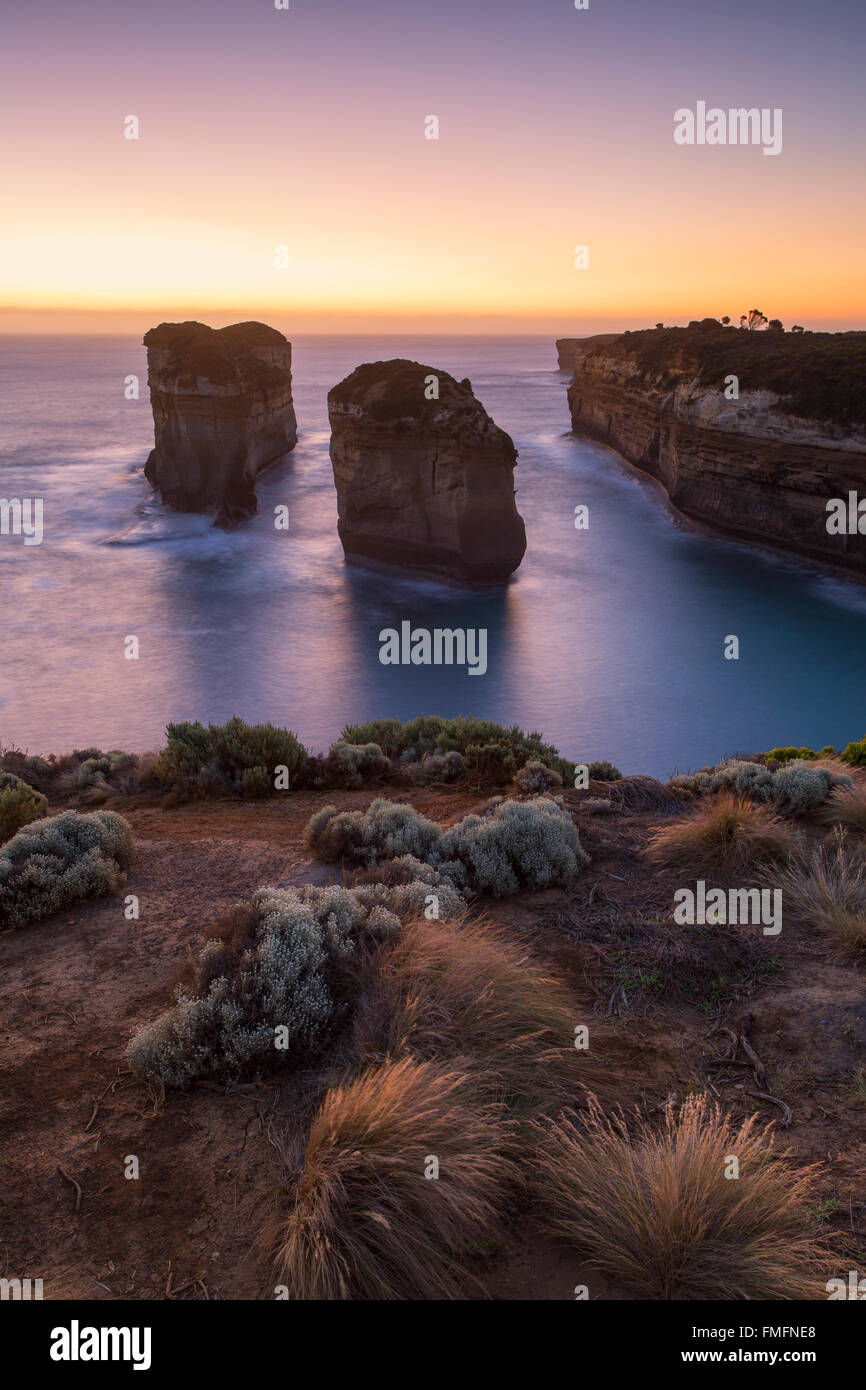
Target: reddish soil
[[76, 987]]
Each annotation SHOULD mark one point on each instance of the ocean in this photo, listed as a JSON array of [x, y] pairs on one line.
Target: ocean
[[609, 640]]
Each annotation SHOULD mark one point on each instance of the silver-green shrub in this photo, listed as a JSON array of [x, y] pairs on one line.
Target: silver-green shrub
[[282, 976], [535, 778], [520, 844], [795, 787], [98, 771], [385, 830], [54, 862]]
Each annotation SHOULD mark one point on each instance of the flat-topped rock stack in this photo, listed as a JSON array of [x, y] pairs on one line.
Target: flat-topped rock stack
[[424, 477], [222, 412]]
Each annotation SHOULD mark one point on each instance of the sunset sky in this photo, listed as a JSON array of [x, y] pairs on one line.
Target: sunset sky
[[305, 128]]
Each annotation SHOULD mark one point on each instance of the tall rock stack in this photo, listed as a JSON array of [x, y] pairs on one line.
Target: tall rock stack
[[424, 477], [222, 412]]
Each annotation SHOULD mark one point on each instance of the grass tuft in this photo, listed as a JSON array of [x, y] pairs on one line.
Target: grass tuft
[[729, 834], [654, 1210]]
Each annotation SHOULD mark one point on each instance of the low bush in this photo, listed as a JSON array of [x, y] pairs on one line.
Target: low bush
[[490, 764], [656, 1211], [728, 834], [855, 753], [355, 765], [794, 788], [54, 862], [516, 844], [366, 1224], [19, 805], [787, 755], [386, 830], [535, 778], [520, 844], [234, 757], [604, 772], [433, 734], [279, 961], [442, 767], [104, 768]]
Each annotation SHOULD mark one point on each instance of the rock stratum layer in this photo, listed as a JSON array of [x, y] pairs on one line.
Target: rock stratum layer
[[423, 483], [763, 466], [222, 412]]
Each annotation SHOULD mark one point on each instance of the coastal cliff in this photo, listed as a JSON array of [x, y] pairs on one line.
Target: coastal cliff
[[424, 477], [222, 412], [762, 464]]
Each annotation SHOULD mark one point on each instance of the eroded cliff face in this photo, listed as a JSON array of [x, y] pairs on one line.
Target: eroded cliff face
[[222, 412], [744, 465], [423, 482]]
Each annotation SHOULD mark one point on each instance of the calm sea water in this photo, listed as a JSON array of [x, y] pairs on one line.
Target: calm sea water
[[610, 641]]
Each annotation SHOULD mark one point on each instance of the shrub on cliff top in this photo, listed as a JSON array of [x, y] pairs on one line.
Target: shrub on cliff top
[[52, 863], [102, 768], [855, 753], [430, 733], [235, 756], [277, 962], [355, 765], [385, 830], [19, 805], [534, 778], [787, 755], [520, 844], [516, 844], [795, 787]]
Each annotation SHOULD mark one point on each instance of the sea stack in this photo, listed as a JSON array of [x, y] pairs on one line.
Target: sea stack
[[222, 412], [424, 477]]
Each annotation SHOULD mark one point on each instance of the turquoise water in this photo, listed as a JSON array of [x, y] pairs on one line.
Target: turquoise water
[[608, 640]]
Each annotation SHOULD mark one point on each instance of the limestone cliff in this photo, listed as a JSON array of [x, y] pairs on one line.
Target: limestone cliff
[[764, 465], [222, 412], [423, 481]]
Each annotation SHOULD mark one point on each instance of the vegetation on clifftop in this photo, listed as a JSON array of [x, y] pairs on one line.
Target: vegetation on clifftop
[[819, 376]]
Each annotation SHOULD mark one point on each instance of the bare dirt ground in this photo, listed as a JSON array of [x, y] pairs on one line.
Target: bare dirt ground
[[73, 990]]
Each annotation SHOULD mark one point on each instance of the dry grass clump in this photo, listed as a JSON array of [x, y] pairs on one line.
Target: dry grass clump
[[367, 1221], [726, 835], [644, 794], [846, 807], [655, 1211], [826, 888], [469, 990]]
